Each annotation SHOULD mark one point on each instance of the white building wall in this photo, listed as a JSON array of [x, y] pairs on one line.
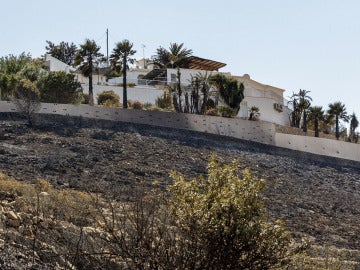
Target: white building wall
[[267, 111], [131, 77], [256, 94], [54, 64], [142, 94], [186, 74]]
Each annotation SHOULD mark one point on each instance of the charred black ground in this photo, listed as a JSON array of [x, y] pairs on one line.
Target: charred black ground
[[316, 196]]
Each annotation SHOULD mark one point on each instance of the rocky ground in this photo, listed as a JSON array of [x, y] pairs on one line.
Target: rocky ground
[[316, 196]]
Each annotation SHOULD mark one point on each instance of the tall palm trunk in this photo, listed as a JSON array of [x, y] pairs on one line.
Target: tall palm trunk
[[305, 124], [125, 105], [91, 93], [316, 124], [179, 89], [337, 127], [204, 105]]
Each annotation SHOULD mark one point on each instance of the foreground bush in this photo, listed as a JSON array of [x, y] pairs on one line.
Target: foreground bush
[[217, 222], [222, 222]]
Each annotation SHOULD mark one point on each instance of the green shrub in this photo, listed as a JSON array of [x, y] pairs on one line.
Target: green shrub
[[60, 87], [85, 99], [109, 99], [135, 104], [27, 99], [164, 102], [210, 104], [147, 105], [223, 224], [225, 111], [129, 84]]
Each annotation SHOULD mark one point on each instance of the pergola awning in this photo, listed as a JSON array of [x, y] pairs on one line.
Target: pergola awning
[[204, 64]]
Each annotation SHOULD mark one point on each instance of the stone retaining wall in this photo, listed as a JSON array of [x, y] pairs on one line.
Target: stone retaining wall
[[300, 132], [257, 131]]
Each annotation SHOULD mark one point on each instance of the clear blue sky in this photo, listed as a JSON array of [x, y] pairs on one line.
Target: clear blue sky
[[291, 44]]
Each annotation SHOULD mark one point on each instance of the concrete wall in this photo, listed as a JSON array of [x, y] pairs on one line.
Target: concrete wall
[[140, 93], [257, 131], [132, 76], [319, 146], [261, 132]]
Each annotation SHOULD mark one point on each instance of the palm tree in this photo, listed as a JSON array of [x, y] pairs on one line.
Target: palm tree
[[232, 94], [338, 110], [218, 81], [230, 90], [316, 114], [201, 82], [87, 58], [296, 113], [119, 60], [177, 56], [354, 123], [303, 105]]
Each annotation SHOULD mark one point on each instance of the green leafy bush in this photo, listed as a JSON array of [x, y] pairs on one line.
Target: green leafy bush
[[109, 99], [225, 111], [164, 102], [85, 99], [135, 104], [223, 224], [147, 105], [27, 99], [60, 87]]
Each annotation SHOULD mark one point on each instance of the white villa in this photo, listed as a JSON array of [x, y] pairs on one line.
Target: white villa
[[150, 82], [53, 64]]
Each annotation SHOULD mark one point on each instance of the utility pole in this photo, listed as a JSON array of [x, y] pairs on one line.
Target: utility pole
[[143, 49], [107, 46]]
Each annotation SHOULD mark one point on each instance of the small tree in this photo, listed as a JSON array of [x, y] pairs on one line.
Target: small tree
[[86, 58], [223, 224], [59, 87], [27, 100], [338, 110], [354, 123], [176, 57], [63, 51], [316, 114], [303, 105], [200, 83], [119, 60], [13, 69], [296, 113], [230, 90]]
